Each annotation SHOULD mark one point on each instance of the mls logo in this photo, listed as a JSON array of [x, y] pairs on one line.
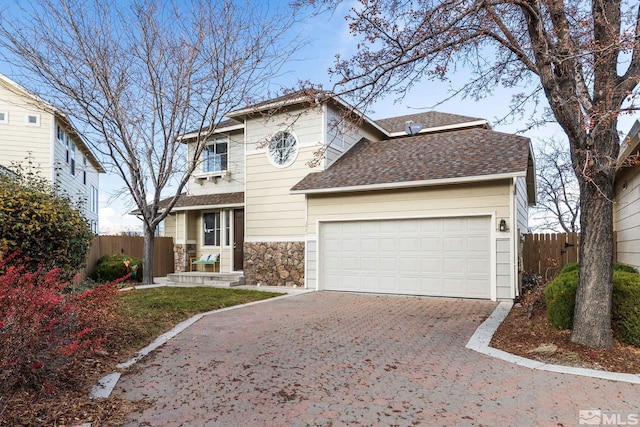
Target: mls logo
[[591, 417]]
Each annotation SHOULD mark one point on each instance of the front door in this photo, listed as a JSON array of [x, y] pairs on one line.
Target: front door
[[238, 239]]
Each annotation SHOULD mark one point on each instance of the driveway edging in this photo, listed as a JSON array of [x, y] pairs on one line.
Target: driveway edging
[[481, 338]]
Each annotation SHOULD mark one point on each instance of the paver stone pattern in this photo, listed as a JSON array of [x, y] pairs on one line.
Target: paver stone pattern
[[334, 359]]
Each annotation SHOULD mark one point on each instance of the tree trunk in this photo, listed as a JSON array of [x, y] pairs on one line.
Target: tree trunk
[[592, 313], [147, 255]]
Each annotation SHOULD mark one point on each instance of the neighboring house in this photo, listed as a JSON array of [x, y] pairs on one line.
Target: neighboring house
[[626, 207], [32, 130], [294, 194]]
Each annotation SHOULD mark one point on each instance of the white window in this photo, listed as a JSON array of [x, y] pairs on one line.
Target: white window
[[4, 117], [60, 134], [84, 170], [211, 223], [66, 143], [93, 203], [32, 119], [215, 156], [73, 158]]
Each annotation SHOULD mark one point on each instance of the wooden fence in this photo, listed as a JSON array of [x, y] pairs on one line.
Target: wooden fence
[[546, 254], [132, 246]]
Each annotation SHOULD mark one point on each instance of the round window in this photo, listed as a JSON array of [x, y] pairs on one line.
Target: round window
[[283, 149]]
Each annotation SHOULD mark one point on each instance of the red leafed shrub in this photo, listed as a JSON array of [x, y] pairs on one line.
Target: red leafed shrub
[[42, 330]]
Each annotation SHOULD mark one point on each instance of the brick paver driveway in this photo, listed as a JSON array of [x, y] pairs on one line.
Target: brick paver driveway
[[346, 359]]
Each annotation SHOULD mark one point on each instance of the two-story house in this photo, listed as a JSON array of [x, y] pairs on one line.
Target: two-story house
[[32, 130], [303, 191]]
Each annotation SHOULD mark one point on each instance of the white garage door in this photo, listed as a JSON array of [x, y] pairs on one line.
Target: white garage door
[[434, 256]]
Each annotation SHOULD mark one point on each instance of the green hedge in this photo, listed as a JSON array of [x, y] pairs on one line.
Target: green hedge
[[560, 297], [626, 307], [112, 267]]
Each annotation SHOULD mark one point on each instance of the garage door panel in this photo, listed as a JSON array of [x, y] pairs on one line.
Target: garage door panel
[[476, 266], [409, 244], [454, 225], [389, 244], [453, 266], [435, 256], [410, 265], [431, 266], [477, 244], [431, 244]]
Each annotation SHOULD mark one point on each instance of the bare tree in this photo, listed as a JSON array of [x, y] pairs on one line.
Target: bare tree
[[558, 205], [138, 74], [584, 56]]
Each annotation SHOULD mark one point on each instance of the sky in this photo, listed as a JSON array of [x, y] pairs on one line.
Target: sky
[[327, 36]]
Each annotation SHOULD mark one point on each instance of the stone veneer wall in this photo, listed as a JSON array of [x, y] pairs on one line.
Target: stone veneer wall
[[181, 255], [274, 263]]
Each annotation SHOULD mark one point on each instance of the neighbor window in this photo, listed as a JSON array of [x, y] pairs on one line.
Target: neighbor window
[[211, 222], [4, 117], [66, 143], [84, 170], [33, 119], [60, 134], [73, 158], [215, 157], [93, 203]]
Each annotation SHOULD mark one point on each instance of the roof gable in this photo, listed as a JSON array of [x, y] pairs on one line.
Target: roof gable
[[463, 155]]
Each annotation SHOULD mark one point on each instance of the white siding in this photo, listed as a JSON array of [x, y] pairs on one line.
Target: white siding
[[272, 213], [626, 214], [503, 270], [19, 140], [311, 263], [341, 136], [74, 184], [522, 207], [430, 201]]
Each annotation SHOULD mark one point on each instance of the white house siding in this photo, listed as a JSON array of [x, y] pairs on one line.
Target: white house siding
[[74, 184], [311, 263], [272, 213], [504, 288], [626, 215], [342, 136], [38, 143], [522, 208], [490, 198], [169, 228], [19, 140]]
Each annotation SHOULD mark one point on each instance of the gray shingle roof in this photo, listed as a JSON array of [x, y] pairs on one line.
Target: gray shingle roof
[[429, 119], [459, 154]]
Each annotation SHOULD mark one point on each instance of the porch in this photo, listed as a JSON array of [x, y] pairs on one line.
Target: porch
[[204, 278]]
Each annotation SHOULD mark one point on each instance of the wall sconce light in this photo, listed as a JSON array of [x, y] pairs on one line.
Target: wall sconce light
[[503, 225]]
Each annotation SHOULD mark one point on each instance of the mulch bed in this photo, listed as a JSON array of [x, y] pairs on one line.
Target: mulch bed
[[526, 332]]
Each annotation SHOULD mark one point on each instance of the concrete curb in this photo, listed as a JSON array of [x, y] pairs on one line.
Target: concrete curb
[[107, 383], [480, 340]]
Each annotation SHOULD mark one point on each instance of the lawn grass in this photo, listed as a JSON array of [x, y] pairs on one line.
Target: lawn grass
[[146, 313]]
